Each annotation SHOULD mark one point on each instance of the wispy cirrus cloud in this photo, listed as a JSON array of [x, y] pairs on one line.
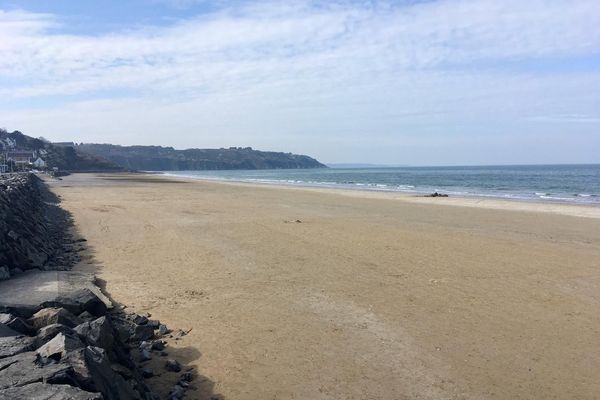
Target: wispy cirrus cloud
[[567, 118], [270, 42], [360, 61]]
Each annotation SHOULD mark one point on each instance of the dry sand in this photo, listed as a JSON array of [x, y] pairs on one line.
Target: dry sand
[[368, 297]]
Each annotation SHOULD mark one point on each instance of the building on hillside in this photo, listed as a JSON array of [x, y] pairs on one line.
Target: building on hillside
[[39, 163], [21, 159], [64, 144]]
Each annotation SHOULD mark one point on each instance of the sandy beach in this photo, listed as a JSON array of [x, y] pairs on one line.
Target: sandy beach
[[295, 293]]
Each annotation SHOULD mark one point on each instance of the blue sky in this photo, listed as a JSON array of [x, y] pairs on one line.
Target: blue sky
[[393, 82]]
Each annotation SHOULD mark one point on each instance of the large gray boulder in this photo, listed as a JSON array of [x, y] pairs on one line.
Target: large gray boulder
[[58, 347], [82, 300], [81, 373], [23, 369], [97, 333], [12, 345], [173, 365], [53, 315], [48, 333], [16, 323], [6, 331], [128, 330], [107, 381], [86, 316], [43, 391]]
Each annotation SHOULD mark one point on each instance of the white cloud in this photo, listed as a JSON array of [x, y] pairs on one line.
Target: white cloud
[[568, 118], [350, 67], [260, 43], [21, 23]]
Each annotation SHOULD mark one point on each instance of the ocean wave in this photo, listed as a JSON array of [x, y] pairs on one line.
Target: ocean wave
[[557, 198], [559, 190]]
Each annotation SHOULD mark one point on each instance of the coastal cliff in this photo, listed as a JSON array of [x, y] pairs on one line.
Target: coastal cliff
[[90, 157], [157, 158]]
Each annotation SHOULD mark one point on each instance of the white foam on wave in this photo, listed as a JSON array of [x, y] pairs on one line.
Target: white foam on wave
[[576, 198], [557, 198]]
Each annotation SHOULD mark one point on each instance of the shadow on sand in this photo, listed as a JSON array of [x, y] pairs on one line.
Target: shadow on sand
[[201, 387]]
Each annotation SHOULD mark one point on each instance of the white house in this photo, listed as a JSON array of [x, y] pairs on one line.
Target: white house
[[39, 163]]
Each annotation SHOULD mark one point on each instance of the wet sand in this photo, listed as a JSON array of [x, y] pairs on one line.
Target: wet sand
[[368, 297]]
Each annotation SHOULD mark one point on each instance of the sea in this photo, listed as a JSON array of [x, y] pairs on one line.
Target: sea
[[578, 184]]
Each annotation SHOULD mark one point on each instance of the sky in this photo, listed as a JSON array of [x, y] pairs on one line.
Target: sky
[[431, 82]]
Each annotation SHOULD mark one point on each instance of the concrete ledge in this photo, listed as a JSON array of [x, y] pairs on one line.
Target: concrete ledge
[[33, 290]]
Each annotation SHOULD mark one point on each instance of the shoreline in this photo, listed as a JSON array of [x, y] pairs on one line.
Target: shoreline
[[495, 203], [541, 184]]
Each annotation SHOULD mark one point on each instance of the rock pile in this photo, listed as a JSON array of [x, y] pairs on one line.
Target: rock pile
[[436, 194], [56, 354], [33, 229]]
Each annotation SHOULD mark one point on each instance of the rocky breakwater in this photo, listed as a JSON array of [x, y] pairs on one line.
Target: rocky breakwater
[[33, 229], [78, 349], [60, 336]]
